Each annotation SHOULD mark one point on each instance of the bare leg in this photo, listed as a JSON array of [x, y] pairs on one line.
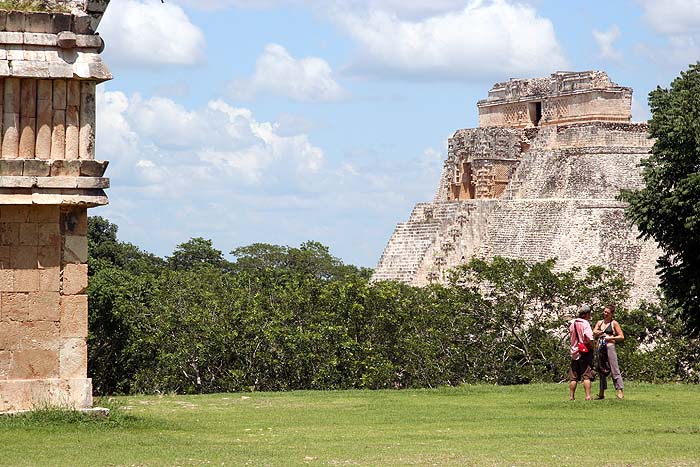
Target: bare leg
[[587, 388], [572, 389], [619, 394]]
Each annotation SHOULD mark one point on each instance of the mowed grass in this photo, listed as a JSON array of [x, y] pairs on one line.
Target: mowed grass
[[534, 425]]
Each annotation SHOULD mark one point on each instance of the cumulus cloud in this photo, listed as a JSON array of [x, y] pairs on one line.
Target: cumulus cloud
[[483, 40], [307, 79], [158, 139], [149, 33], [219, 172], [606, 43], [419, 39]]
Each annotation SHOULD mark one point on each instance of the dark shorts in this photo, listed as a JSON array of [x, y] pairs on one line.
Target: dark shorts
[[582, 368]]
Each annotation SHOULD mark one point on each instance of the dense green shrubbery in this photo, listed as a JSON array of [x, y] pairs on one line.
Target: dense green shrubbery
[[282, 318]]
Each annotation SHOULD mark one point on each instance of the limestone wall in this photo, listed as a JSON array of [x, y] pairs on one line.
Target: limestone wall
[[593, 134], [578, 233], [49, 69], [43, 307]]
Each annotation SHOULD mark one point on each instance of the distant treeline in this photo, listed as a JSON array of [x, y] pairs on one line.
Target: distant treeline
[[282, 318]]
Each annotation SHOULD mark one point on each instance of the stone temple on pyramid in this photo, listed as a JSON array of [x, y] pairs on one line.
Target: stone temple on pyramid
[[538, 179]]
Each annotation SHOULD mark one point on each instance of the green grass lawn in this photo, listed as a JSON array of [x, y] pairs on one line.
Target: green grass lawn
[[535, 425]]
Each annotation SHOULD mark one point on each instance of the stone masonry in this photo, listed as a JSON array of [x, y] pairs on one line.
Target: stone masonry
[[49, 67], [537, 180]]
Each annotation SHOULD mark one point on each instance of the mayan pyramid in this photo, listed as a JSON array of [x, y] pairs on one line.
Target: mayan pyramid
[[537, 180]]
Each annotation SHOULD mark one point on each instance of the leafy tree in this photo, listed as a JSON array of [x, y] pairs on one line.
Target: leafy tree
[[195, 253], [279, 262], [119, 323], [105, 250], [667, 209]]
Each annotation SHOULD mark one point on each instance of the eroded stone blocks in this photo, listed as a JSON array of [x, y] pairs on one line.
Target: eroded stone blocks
[[43, 306]]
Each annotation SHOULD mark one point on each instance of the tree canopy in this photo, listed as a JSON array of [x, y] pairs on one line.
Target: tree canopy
[[667, 208]]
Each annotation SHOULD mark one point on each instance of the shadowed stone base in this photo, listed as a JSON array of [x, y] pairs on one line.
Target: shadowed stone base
[[23, 395]]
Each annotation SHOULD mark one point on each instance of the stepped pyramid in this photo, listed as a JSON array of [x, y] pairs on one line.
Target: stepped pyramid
[[537, 180]]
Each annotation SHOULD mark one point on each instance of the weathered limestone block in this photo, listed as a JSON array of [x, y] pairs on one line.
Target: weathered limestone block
[[36, 168], [27, 394], [49, 256], [49, 279], [7, 280], [92, 168], [46, 307], [73, 358], [28, 234], [26, 280], [74, 321], [40, 335], [74, 279], [44, 214], [10, 334], [67, 40], [34, 364], [65, 168], [13, 168], [16, 306], [31, 38], [75, 249]]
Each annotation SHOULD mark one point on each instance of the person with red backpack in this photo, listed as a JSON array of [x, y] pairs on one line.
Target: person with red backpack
[[581, 352]]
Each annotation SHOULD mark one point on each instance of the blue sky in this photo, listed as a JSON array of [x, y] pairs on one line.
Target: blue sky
[[282, 121]]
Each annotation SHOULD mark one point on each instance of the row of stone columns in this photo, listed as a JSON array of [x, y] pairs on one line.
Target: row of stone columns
[[47, 119]]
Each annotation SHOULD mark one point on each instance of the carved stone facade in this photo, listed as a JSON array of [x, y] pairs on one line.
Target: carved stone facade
[[535, 189], [49, 67], [562, 98]]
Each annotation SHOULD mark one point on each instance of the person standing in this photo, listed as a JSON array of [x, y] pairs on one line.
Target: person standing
[[581, 353], [608, 332]]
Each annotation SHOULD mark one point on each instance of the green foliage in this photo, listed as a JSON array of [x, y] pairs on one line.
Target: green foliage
[[523, 311], [281, 318], [280, 262], [667, 209], [106, 251], [195, 253]]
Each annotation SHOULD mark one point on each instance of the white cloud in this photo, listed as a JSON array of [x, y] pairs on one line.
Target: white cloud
[[679, 22], [483, 40], [606, 43], [238, 180], [673, 17], [217, 143], [307, 79], [415, 39], [150, 33]]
